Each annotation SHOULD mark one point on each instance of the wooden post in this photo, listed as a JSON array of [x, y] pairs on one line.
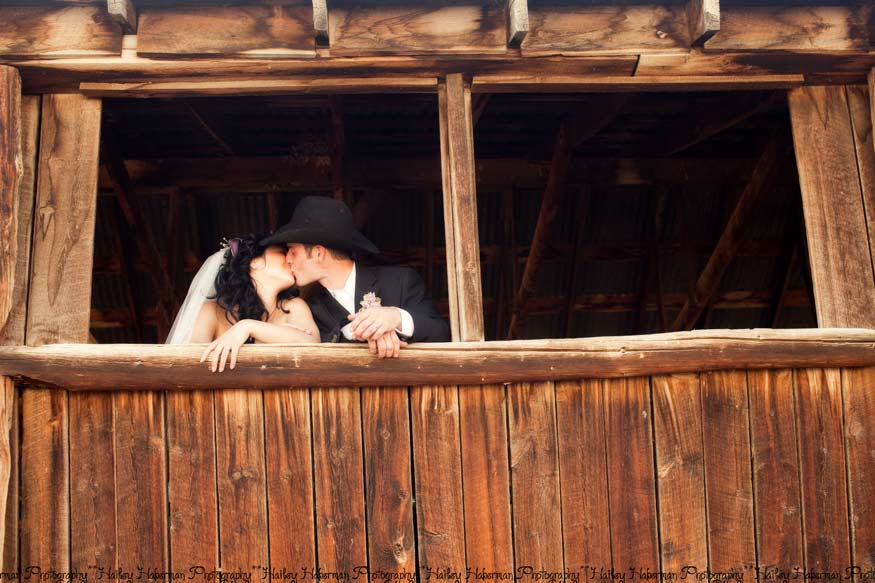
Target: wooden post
[[830, 177], [517, 22], [124, 13], [460, 209], [58, 311], [13, 132]]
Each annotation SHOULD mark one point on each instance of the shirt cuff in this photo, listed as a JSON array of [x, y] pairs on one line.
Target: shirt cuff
[[406, 323], [346, 331]]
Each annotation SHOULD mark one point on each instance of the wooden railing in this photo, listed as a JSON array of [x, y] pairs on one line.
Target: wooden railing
[[672, 456]]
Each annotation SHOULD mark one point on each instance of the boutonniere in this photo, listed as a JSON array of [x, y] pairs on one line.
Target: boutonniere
[[369, 300]]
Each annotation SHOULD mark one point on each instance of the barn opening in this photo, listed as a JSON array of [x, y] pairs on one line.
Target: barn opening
[[633, 194]]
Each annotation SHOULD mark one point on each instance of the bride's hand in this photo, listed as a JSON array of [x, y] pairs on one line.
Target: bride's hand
[[227, 344]]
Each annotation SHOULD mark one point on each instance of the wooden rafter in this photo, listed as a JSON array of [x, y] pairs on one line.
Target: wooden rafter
[[704, 20], [124, 13], [140, 227], [223, 145], [479, 103], [706, 123], [709, 280], [587, 120], [517, 22]]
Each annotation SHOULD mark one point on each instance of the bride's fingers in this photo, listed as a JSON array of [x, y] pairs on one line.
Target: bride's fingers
[[225, 350], [214, 360], [207, 350], [234, 352]]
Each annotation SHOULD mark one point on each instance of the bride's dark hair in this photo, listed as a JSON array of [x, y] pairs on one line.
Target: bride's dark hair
[[235, 290]]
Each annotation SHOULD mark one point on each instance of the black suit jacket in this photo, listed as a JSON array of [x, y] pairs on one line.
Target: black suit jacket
[[399, 287]]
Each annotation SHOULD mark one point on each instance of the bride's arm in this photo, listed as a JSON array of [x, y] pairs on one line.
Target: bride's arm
[[229, 343]]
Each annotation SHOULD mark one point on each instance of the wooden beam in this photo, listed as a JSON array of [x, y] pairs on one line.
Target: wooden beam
[[223, 145], [517, 22], [650, 264], [533, 82], [586, 122], [124, 13], [704, 20], [11, 177], [147, 366], [320, 22], [58, 310], [50, 32], [583, 220], [460, 209], [13, 332], [141, 228], [272, 86], [832, 199], [480, 101], [709, 280], [227, 31]]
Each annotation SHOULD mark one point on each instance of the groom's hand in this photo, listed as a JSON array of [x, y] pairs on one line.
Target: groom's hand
[[386, 346], [374, 323]]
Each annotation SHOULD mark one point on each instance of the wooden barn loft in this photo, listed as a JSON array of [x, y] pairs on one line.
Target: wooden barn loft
[[597, 213]]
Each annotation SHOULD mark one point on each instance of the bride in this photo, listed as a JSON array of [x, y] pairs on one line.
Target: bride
[[244, 292]]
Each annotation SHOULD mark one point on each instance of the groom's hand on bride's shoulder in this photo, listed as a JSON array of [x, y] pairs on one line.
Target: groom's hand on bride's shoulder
[[386, 346]]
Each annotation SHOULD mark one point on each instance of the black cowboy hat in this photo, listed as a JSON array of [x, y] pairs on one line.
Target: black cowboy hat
[[319, 220]]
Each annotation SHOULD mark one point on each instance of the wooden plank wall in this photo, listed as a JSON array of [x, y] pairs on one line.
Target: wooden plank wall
[[744, 472]]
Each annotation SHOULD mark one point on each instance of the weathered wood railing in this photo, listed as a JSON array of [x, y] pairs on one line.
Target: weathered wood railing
[[739, 453]]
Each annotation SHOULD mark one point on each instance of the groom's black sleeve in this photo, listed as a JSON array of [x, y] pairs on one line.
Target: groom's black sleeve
[[428, 324]]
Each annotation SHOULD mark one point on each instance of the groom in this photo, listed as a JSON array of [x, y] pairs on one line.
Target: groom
[[322, 240]]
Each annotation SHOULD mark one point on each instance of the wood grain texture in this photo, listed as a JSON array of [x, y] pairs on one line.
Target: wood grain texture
[[829, 177], [290, 499], [858, 387], [58, 311], [820, 29], [540, 83], [92, 482], [141, 479], [51, 32], [339, 477], [486, 478], [583, 475], [728, 486], [124, 13], [860, 106], [241, 483], [13, 138], [420, 29], [680, 471], [631, 476], [775, 470], [822, 469], [534, 470], [135, 366], [191, 459], [460, 209], [12, 332], [11, 175], [388, 480], [615, 29], [440, 526], [234, 31]]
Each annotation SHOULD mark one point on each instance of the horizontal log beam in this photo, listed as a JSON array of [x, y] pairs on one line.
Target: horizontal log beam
[[138, 366], [59, 75]]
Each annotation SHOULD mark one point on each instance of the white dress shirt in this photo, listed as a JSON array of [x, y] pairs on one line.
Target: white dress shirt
[[345, 296]]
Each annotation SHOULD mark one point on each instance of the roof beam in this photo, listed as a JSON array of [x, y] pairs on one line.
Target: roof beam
[[704, 20], [223, 145], [123, 12], [517, 22], [586, 122], [709, 280]]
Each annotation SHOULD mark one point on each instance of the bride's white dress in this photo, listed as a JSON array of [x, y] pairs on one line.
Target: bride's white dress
[[202, 289]]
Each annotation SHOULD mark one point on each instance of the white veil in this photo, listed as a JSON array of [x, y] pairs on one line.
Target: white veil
[[202, 288]]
